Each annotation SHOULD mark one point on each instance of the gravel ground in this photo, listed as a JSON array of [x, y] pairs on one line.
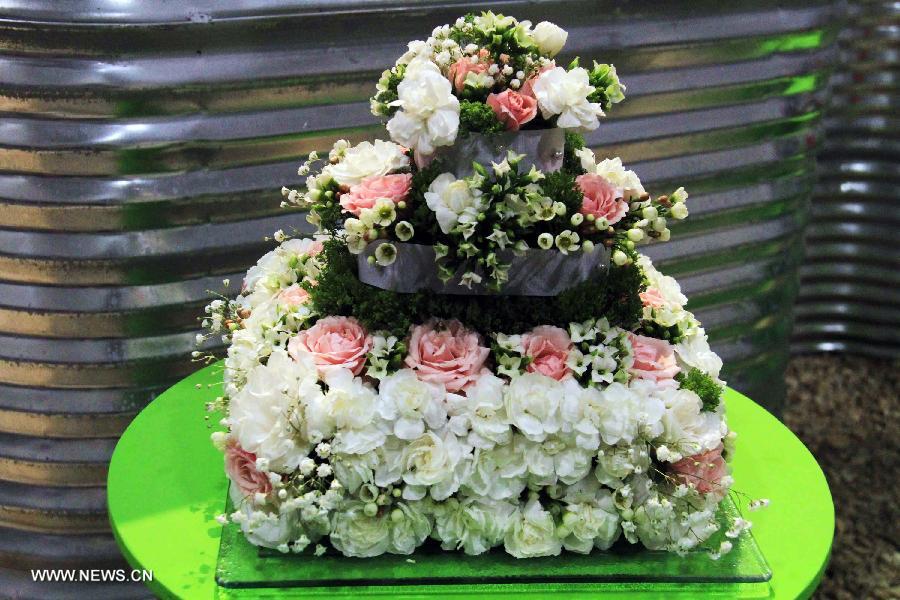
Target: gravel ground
[[845, 409]]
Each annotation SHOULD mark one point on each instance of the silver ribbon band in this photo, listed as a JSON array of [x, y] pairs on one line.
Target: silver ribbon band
[[535, 273], [543, 148]]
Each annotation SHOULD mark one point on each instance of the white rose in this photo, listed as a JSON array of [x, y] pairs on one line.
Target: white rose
[[429, 112], [368, 159], [474, 524], [409, 526], [453, 201], [499, 473], [355, 534], [550, 38], [564, 93], [487, 412], [411, 403], [694, 351], [266, 416], [533, 533], [532, 404], [434, 462]]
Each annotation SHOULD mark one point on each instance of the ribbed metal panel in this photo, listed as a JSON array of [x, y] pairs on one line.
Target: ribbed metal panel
[[850, 293], [142, 146]]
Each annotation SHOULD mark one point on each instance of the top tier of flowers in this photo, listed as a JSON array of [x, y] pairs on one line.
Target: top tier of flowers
[[487, 163], [486, 74]]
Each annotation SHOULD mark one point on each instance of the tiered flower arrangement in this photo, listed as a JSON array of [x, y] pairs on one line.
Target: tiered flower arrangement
[[371, 420]]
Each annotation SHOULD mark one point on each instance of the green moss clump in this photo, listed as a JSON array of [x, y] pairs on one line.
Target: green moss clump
[[339, 292], [703, 385], [571, 162], [478, 117]]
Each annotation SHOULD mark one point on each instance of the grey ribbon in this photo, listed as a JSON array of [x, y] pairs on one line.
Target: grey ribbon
[[542, 148], [535, 273]]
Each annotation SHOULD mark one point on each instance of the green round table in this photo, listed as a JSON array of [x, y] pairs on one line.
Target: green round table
[[167, 484]]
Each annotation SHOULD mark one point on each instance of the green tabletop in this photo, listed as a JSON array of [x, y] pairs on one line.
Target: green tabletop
[[167, 484]]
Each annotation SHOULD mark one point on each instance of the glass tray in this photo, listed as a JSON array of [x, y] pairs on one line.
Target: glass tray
[[244, 570]]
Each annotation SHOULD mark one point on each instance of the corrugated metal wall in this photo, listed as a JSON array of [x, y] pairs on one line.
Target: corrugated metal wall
[[141, 150], [850, 291]]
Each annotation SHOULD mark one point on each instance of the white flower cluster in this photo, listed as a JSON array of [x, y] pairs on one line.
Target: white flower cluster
[[467, 60], [270, 308], [380, 461]]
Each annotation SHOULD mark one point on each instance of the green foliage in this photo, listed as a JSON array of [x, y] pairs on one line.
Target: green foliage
[[608, 90], [703, 385], [672, 334], [561, 186], [339, 292], [571, 163], [478, 117]]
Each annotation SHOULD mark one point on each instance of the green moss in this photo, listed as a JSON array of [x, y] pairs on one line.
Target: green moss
[[478, 117], [703, 385], [571, 162], [339, 292]]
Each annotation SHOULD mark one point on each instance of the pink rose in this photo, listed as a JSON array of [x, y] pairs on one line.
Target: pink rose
[[241, 468], [703, 471], [652, 298], [601, 199], [293, 296], [512, 108], [548, 347], [653, 359], [334, 343], [364, 194], [451, 356], [461, 68]]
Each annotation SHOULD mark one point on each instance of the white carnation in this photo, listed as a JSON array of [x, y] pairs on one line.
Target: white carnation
[[590, 517], [625, 181], [486, 412], [621, 414], [533, 533], [266, 416], [435, 463], [499, 473], [532, 405], [564, 93], [348, 412], [356, 534], [409, 526], [454, 201], [429, 112], [263, 528], [474, 524], [368, 159], [694, 351], [557, 458], [410, 403], [549, 38], [687, 428]]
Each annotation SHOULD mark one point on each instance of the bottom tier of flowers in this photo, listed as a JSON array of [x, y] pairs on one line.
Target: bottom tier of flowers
[[548, 440]]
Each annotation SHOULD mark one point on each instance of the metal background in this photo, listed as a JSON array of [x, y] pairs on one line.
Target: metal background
[[142, 146], [850, 291]]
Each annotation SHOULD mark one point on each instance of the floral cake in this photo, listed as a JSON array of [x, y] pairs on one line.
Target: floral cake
[[471, 349]]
